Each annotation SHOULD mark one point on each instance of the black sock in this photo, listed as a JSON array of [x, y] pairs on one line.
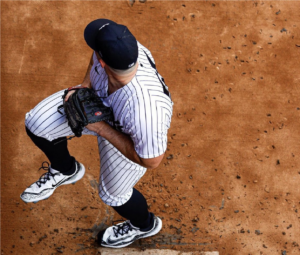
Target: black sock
[[57, 153], [135, 210]]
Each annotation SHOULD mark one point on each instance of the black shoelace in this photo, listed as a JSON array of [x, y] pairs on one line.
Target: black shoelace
[[45, 176], [122, 229]]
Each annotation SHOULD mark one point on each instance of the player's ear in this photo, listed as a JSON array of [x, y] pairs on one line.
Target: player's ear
[[102, 63]]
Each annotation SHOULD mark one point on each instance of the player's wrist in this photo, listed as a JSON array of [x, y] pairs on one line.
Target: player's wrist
[[102, 129]]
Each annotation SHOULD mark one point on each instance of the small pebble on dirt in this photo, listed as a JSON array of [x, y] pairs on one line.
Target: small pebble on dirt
[[131, 2], [194, 229], [43, 237], [166, 205], [257, 232], [170, 157], [236, 211], [179, 231], [196, 219]]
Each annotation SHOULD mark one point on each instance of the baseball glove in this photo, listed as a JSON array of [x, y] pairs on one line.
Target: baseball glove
[[84, 107]]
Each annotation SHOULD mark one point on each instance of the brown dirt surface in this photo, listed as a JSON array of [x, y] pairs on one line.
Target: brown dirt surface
[[230, 179]]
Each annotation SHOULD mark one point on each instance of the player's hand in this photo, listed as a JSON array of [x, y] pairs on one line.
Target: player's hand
[[73, 91]]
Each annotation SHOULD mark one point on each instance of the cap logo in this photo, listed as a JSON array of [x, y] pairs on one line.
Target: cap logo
[[98, 113], [103, 26], [131, 65]]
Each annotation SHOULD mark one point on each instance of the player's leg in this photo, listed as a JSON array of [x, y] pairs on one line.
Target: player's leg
[[48, 130], [117, 178], [139, 215], [56, 151]]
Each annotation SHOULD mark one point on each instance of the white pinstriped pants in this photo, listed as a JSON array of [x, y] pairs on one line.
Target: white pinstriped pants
[[118, 175]]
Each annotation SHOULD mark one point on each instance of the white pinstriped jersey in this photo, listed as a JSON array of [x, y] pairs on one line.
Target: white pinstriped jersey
[[142, 108]]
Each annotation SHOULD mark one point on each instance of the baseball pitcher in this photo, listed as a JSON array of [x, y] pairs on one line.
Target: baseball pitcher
[[125, 103]]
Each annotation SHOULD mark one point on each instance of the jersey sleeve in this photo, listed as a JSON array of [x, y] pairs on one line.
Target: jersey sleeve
[[149, 126]]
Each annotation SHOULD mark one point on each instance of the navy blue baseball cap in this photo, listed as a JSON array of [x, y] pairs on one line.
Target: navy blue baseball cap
[[114, 43]]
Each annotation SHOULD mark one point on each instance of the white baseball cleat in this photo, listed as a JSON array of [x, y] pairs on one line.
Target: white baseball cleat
[[48, 182], [124, 234]]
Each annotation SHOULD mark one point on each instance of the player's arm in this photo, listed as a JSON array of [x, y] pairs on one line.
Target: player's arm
[[86, 81], [124, 144]]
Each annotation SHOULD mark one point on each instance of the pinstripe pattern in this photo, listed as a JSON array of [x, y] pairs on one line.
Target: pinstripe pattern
[[142, 109], [45, 121], [118, 174]]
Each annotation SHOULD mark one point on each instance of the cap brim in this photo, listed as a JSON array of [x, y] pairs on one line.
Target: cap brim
[[91, 31]]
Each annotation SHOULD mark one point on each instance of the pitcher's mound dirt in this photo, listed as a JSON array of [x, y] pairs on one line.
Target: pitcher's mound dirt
[[230, 178], [127, 251]]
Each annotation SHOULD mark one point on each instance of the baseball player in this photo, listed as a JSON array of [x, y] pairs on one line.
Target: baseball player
[[123, 73]]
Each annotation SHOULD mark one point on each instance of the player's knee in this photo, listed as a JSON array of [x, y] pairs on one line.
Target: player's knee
[[103, 198], [106, 197], [35, 125], [28, 120], [114, 198], [29, 133], [32, 123]]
